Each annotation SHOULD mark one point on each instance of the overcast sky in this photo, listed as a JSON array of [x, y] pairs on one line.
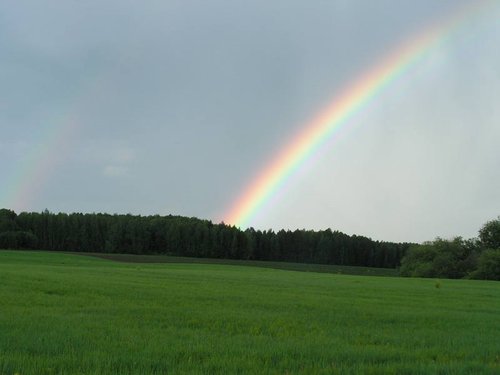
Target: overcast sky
[[173, 107]]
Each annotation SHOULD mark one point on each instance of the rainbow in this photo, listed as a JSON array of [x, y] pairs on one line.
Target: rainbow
[[37, 164], [53, 144], [351, 100]]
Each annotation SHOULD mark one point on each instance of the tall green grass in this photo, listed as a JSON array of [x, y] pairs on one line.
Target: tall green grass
[[67, 314]]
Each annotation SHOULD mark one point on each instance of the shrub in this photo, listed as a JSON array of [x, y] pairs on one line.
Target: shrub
[[440, 258], [488, 265]]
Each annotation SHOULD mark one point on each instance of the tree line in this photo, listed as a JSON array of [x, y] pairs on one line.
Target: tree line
[[193, 237], [476, 258]]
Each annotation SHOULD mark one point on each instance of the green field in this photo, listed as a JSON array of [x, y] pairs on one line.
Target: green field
[[69, 314], [304, 267]]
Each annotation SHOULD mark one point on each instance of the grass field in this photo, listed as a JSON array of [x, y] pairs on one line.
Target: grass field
[[68, 314], [303, 267]]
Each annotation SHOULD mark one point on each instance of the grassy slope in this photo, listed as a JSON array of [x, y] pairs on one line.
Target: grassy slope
[[66, 314], [304, 267]]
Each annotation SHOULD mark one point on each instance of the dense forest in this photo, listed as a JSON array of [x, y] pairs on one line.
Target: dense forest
[[182, 236]]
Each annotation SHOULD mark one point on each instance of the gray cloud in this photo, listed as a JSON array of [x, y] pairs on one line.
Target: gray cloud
[[178, 105]]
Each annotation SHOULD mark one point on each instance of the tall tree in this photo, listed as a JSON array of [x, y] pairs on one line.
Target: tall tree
[[489, 234]]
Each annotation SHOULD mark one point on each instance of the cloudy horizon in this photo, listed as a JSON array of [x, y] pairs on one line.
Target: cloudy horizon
[[175, 107]]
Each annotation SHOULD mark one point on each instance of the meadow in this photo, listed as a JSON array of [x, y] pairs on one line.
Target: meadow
[[71, 314]]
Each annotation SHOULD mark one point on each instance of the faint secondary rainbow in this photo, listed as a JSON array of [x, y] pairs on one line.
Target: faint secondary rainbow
[[49, 149], [351, 100], [38, 162]]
